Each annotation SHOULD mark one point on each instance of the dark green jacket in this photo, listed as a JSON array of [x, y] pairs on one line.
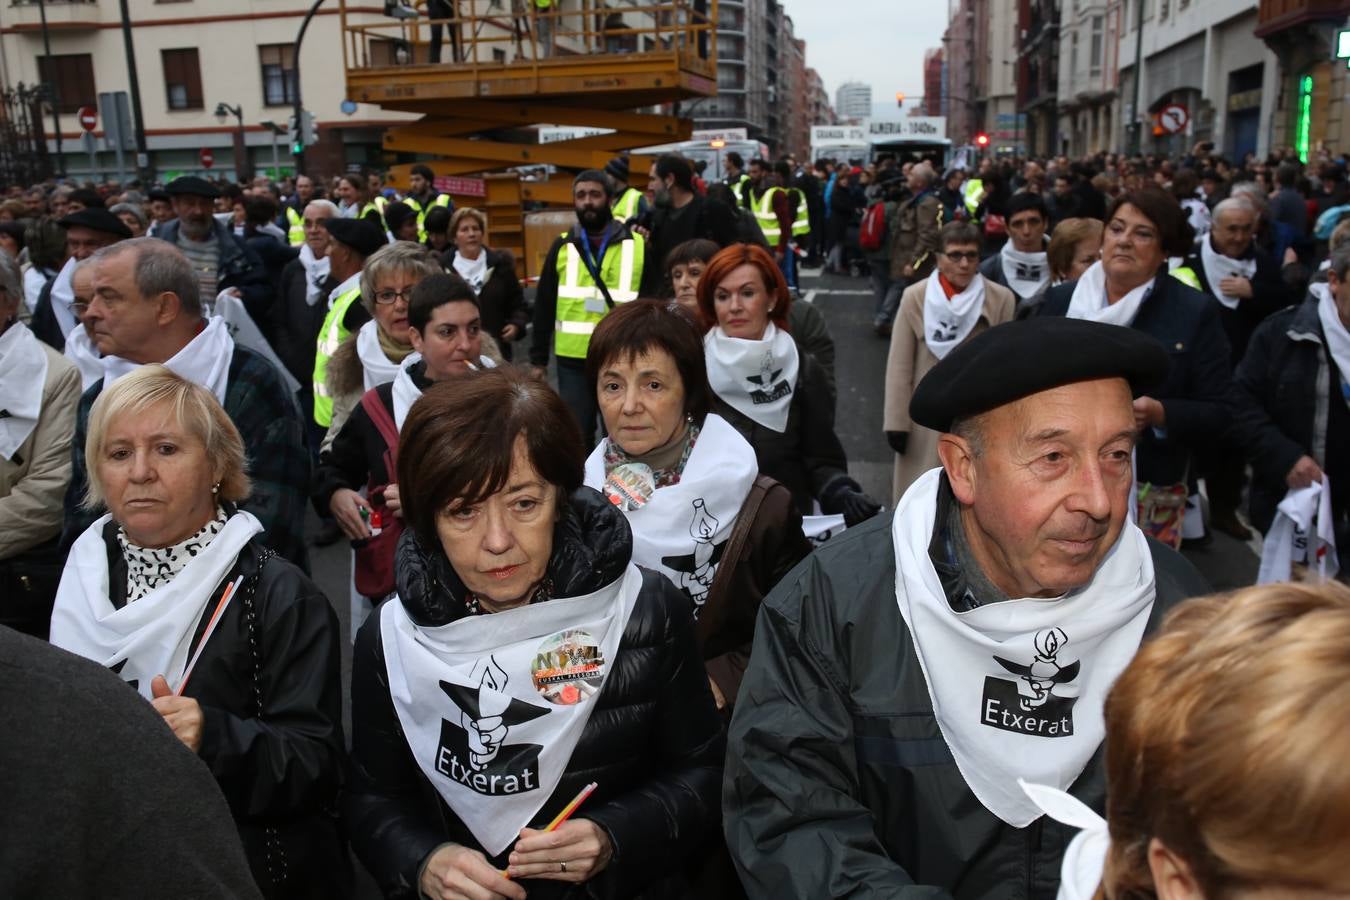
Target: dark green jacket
[[838, 781]]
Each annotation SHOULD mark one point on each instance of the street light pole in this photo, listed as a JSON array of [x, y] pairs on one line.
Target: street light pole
[[1137, 126], [242, 169], [299, 105]]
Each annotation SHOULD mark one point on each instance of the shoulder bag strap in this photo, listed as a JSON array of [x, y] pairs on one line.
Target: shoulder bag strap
[[595, 276], [715, 607], [383, 421]]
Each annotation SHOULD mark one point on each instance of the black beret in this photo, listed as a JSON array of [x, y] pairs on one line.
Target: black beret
[[192, 186], [617, 168], [1012, 361], [363, 236], [395, 214], [98, 219]]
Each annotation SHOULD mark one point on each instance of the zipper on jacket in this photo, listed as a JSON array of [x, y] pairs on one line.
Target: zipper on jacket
[[1033, 847]]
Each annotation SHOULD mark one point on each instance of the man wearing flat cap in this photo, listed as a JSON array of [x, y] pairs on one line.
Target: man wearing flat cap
[[221, 260], [907, 676], [87, 230]]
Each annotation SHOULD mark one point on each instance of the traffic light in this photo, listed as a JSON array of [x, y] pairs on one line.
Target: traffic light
[[307, 133], [293, 137], [301, 135], [982, 140], [900, 99]]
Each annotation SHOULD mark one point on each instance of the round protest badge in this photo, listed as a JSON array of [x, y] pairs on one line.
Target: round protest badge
[[569, 667], [630, 486]]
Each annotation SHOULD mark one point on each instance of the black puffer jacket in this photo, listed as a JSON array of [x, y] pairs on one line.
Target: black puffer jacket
[[502, 300], [280, 771], [654, 744]]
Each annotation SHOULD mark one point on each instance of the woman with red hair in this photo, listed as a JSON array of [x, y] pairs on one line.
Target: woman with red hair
[[776, 397]]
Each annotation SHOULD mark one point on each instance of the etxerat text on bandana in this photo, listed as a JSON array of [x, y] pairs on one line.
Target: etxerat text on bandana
[[756, 378], [492, 706]]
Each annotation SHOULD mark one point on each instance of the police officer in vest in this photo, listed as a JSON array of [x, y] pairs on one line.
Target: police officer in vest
[[294, 209], [630, 204], [773, 208], [736, 178], [423, 197], [588, 271]]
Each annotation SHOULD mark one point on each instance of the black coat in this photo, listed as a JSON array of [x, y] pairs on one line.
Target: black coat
[[280, 771], [239, 267], [1196, 391], [44, 324], [1269, 294], [1289, 389], [296, 324], [806, 456], [356, 456], [502, 301], [654, 744]]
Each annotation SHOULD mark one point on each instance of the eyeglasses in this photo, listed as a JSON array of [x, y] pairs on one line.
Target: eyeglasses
[[959, 258], [384, 298]]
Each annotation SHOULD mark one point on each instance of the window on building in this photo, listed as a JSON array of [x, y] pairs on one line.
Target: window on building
[[278, 74], [1096, 57], [71, 78], [182, 78], [1162, 8], [498, 55], [1073, 55]]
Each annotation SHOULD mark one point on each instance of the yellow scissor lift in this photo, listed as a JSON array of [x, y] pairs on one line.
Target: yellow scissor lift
[[507, 67]]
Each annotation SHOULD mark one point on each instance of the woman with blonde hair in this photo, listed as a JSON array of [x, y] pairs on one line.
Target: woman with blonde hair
[[1226, 753], [1074, 246], [234, 647], [492, 275]]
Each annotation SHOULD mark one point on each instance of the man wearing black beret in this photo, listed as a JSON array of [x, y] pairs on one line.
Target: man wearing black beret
[[87, 229], [909, 674]]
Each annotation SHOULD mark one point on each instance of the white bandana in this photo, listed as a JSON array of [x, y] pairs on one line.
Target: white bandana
[[947, 323], [81, 351], [1304, 531], [1337, 337], [63, 298], [1026, 273], [152, 635], [378, 368], [492, 706], [1089, 299], [756, 378], [316, 273], [682, 530], [1018, 686], [474, 271], [245, 333], [23, 376], [1218, 267], [405, 392], [1085, 858], [34, 280], [204, 361]]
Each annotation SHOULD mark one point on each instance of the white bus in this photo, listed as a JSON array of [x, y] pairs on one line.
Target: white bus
[[712, 148]]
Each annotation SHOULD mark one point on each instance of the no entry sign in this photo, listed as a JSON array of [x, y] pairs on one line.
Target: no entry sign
[[207, 157], [88, 118], [1173, 118]]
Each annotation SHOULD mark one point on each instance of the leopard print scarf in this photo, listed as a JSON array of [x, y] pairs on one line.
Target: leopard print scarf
[[149, 568]]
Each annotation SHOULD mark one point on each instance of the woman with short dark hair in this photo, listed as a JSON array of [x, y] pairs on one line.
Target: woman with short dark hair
[[524, 657], [687, 481]]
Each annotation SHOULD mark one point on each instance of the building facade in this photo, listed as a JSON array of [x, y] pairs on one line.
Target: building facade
[[1037, 73], [853, 100], [1089, 73], [932, 104], [958, 48], [1311, 80]]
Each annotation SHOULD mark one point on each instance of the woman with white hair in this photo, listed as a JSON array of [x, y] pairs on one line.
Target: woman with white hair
[[233, 646], [39, 391]]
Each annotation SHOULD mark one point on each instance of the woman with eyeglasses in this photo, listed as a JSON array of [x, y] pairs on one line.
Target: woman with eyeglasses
[[937, 315]]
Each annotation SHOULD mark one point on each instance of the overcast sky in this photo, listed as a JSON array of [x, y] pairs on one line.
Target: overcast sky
[[878, 42]]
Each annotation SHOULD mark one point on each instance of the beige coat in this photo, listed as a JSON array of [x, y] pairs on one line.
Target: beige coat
[[909, 360], [33, 490]]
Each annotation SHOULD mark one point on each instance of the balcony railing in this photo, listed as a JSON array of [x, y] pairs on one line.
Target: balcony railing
[[69, 15]]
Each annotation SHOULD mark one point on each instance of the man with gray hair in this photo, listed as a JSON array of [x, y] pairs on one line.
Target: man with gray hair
[[146, 308], [1246, 283], [916, 234], [298, 314]]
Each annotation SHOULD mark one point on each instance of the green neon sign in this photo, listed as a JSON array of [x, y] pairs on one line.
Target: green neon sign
[[1305, 91]]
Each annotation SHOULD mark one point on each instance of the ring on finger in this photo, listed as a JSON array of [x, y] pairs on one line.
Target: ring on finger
[[562, 867]]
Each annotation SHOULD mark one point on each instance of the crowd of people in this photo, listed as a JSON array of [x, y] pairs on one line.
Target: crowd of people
[[624, 624]]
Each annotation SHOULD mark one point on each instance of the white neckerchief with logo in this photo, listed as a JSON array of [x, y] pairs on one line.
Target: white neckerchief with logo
[[493, 705], [81, 351], [205, 360], [378, 368], [406, 392], [1018, 685], [473, 271], [755, 378], [1026, 273], [246, 333], [1338, 338], [150, 636], [1218, 267], [35, 279], [682, 529], [1089, 299], [1304, 531], [316, 273], [23, 376], [63, 298], [947, 323]]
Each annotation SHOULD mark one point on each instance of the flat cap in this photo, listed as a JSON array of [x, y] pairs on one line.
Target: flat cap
[[1012, 361], [363, 236], [96, 218], [193, 186]]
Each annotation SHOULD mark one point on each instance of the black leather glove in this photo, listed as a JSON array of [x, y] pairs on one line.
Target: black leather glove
[[844, 495], [898, 440]]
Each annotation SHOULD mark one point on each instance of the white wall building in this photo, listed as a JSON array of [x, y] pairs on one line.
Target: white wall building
[[853, 100], [1089, 49]]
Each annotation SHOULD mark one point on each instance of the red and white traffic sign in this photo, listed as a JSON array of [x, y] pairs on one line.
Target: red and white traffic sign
[[207, 157], [1173, 118], [88, 118]]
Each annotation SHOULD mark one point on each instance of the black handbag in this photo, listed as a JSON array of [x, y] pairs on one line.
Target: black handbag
[[28, 583]]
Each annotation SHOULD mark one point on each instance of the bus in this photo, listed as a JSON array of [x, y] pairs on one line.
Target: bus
[[841, 143], [712, 148]]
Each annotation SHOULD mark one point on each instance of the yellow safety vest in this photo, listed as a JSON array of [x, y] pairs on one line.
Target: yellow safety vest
[[1186, 275], [441, 200], [331, 336], [738, 188], [971, 194], [296, 233], [543, 4], [626, 207], [621, 270], [802, 223], [379, 211], [765, 216]]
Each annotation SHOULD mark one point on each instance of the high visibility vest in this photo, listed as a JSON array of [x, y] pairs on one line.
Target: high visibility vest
[[441, 200], [331, 336], [802, 223], [738, 188], [765, 216], [543, 4], [621, 270], [296, 233], [378, 208], [1186, 275], [971, 194], [626, 207]]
